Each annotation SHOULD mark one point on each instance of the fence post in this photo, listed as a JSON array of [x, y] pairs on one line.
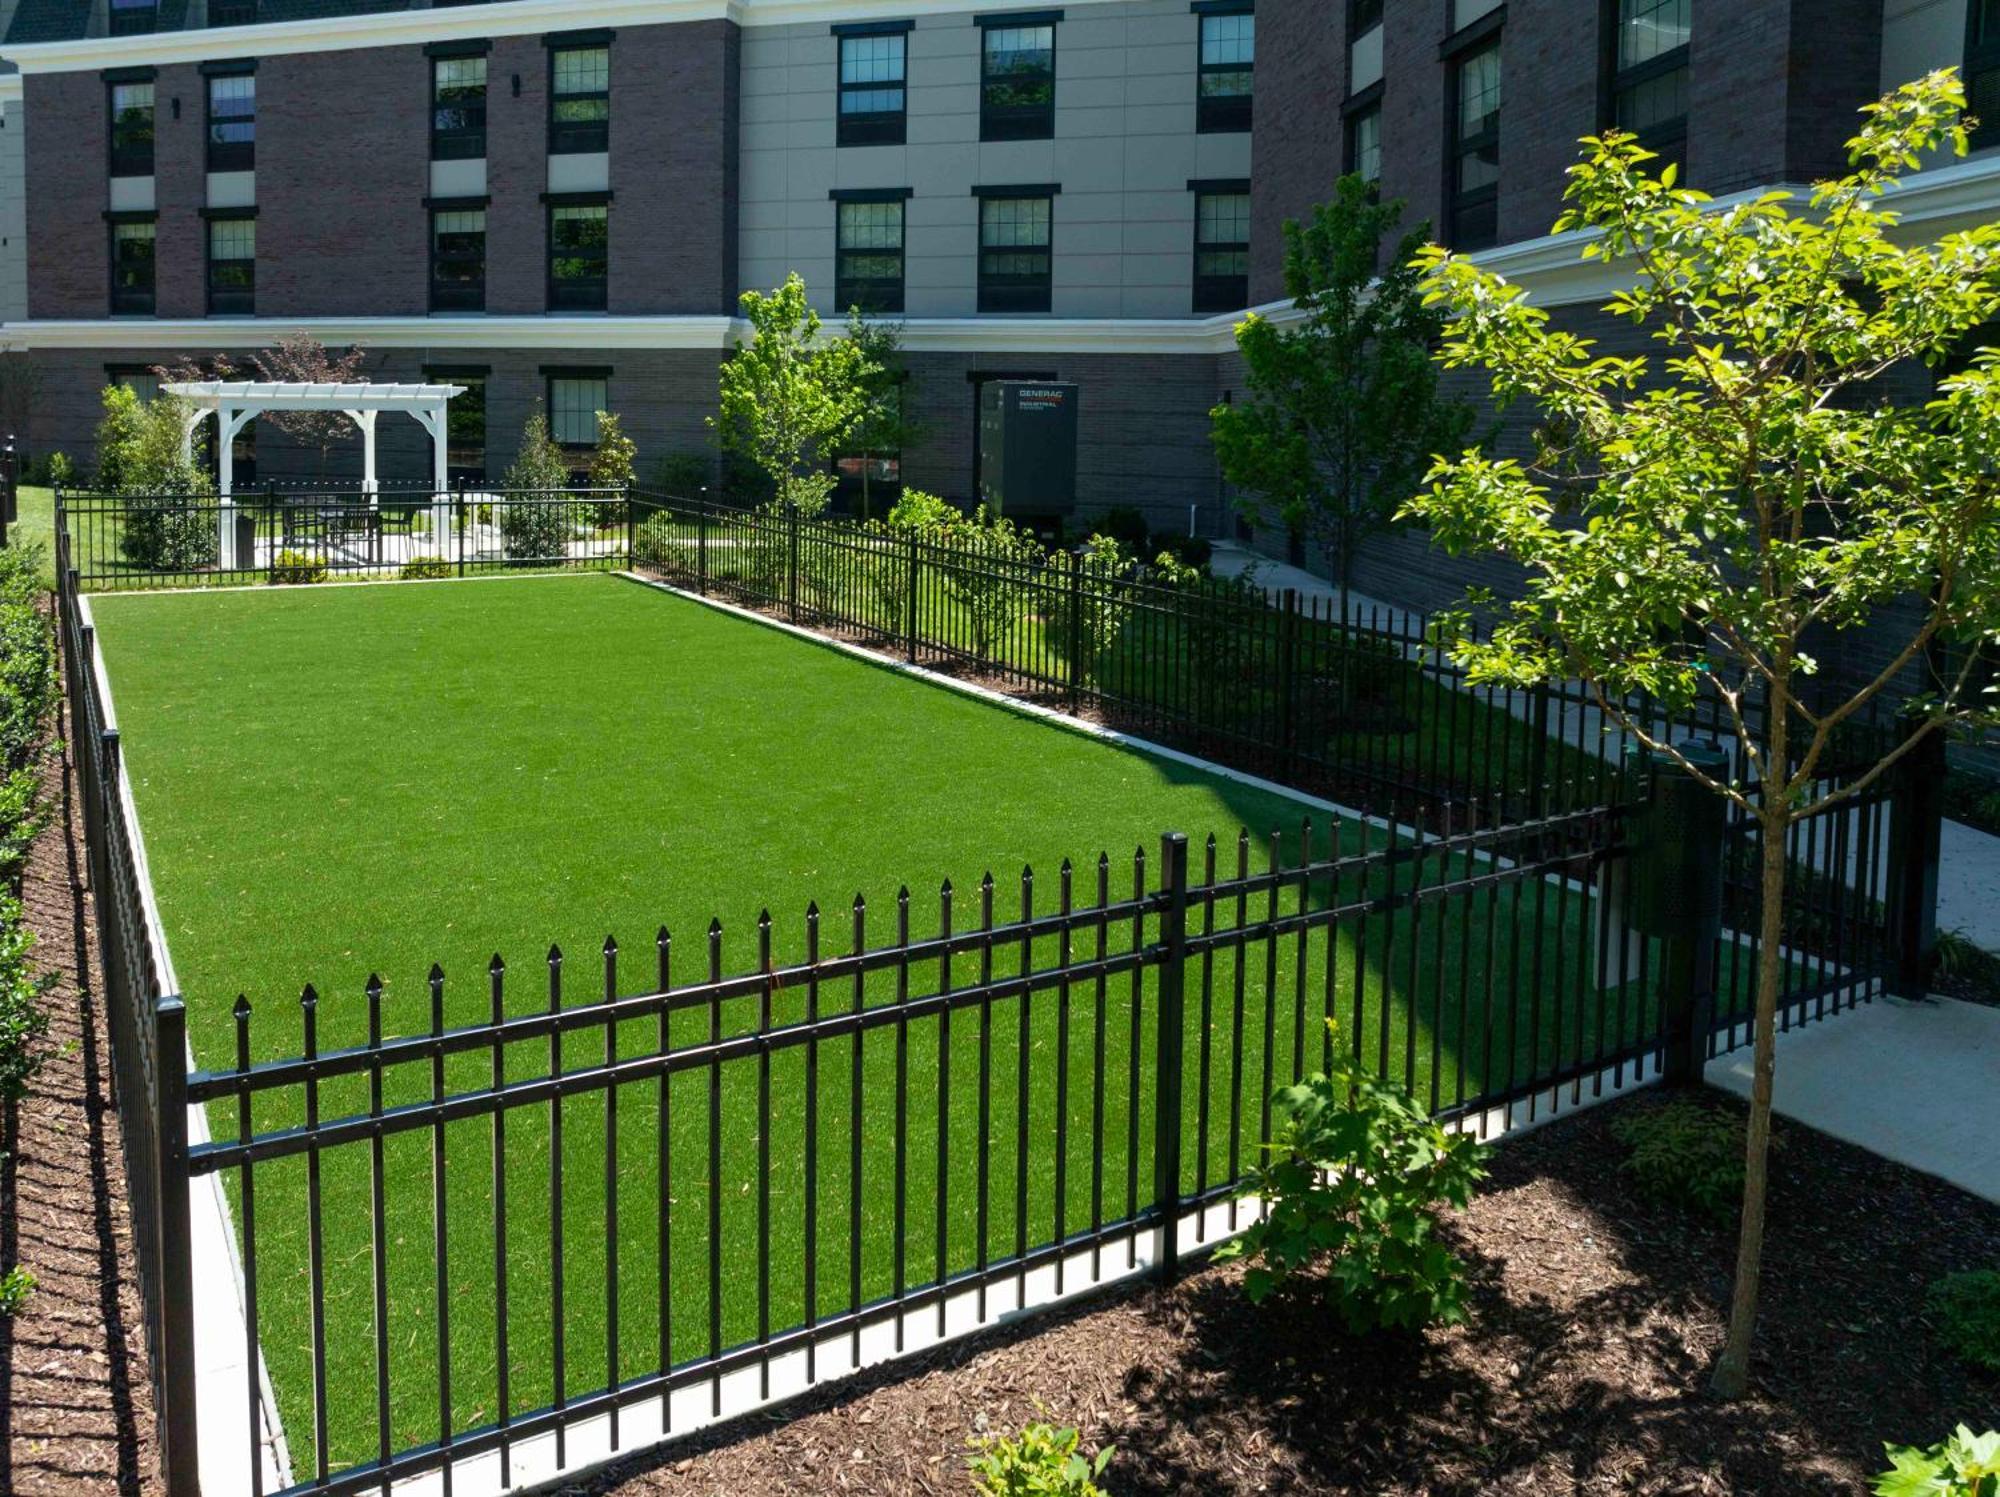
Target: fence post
[[631, 528], [701, 546], [459, 523], [910, 604], [1675, 868], [1288, 670], [1168, 1043], [1916, 832], [10, 473], [177, 1370], [792, 571], [1538, 755], [1075, 628]]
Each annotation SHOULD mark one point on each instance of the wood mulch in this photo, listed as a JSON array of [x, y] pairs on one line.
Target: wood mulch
[[75, 1400], [1582, 1370]]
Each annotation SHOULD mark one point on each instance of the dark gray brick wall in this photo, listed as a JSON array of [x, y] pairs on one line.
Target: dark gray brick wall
[[1298, 142], [674, 168], [180, 183], [517, 173], [343, 166], [68, 245]]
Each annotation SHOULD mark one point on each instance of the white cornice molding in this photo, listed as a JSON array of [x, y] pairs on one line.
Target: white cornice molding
[[502, 18]]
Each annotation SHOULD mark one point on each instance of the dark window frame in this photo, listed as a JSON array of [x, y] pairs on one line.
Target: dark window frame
[[1016, 121], [232, 12], [465, 140], [551, 374], [133, 303], [1001, 294], [890, 297], [460, 474], [228, 155], [1472, 215], [578, 293], [128, 159], [876, 127], [1367, 104], [1224, 114], [1668, 139], [132, 17], [1215, 294], [235, 300], [454, 296], [586, 137], [1363, 16], [1982, 66]]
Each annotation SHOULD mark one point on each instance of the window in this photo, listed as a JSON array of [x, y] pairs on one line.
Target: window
[[1221, 247], [458, 260], [232, 266], [1363, 16], [874, 66], [141, 381], [1474, 199], [464, 422], [1364, 144], [575, 398], [232, 13], [1982, 70], [1228, 56], [232, 123], [1017, 81], [1014, 261], [132, 269], [579, 100], [134, 17], [579, 257], [1649, 73], [868, 249], [458, 112], [132, 129]]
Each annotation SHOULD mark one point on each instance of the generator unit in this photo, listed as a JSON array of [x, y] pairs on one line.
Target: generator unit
[[1027, 451]]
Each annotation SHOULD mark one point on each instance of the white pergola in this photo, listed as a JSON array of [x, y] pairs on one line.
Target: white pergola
[[235, 403]]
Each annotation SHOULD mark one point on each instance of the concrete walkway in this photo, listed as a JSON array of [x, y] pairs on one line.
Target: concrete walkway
[[1969, 885], [1918, 1083]]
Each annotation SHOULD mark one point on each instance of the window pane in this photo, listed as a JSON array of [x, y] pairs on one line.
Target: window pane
[[1228, 40], [1648, 28], [1006, 223], [1020, 64], [460, 78], [868, 226], [583, 70], [1367, 150], [1223, 217], [1656, 101], [580, 232], [1479, 93], [871, 59], [573, 408], [232, 239]]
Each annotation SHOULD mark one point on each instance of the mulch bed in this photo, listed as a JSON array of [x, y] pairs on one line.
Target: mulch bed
[[1582, 1370], [75, 1400]]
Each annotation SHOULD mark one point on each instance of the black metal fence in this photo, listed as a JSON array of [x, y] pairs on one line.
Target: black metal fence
[[484, 1216], [124, 541]]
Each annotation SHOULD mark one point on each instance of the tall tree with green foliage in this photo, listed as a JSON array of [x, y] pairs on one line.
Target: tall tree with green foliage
[[1751, 493], [791, 397], [1342, 414], [886, 428]]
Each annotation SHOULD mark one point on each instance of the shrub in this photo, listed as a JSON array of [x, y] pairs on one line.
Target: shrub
[[168, 533], [537, 529], [1191, 551], [1966, 1465], [296, 568], [424, 568], [60, 469], [1966, 1307], [1352, 1188], [23, 1020], [1105, 565], [1127, 527], [656, 541], [1687, 1154], [684, 474], [16, 1284], [23, 814], [611, 467], [1042, 1461]]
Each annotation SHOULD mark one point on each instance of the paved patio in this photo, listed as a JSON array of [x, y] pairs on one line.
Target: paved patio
[[1918, 1083]]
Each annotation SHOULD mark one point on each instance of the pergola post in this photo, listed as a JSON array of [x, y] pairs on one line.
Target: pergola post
[[434, 420], [229, 421], [366, 421]]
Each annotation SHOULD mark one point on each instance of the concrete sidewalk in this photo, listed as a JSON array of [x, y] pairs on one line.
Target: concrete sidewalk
[[1918, 1083]]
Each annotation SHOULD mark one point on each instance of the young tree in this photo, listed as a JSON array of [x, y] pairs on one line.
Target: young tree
[[885, 426], [613, 459], [789, 398], [1751, 494], [1342, 413], [298, 359], [534, 526]]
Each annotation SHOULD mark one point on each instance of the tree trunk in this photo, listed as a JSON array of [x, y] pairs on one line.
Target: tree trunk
[[1731, 1376]]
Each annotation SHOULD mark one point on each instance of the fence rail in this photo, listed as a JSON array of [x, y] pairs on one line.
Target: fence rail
[[123, 541], [784, 1152]]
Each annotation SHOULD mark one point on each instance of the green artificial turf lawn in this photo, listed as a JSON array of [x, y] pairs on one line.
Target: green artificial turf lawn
[[336, 781]]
